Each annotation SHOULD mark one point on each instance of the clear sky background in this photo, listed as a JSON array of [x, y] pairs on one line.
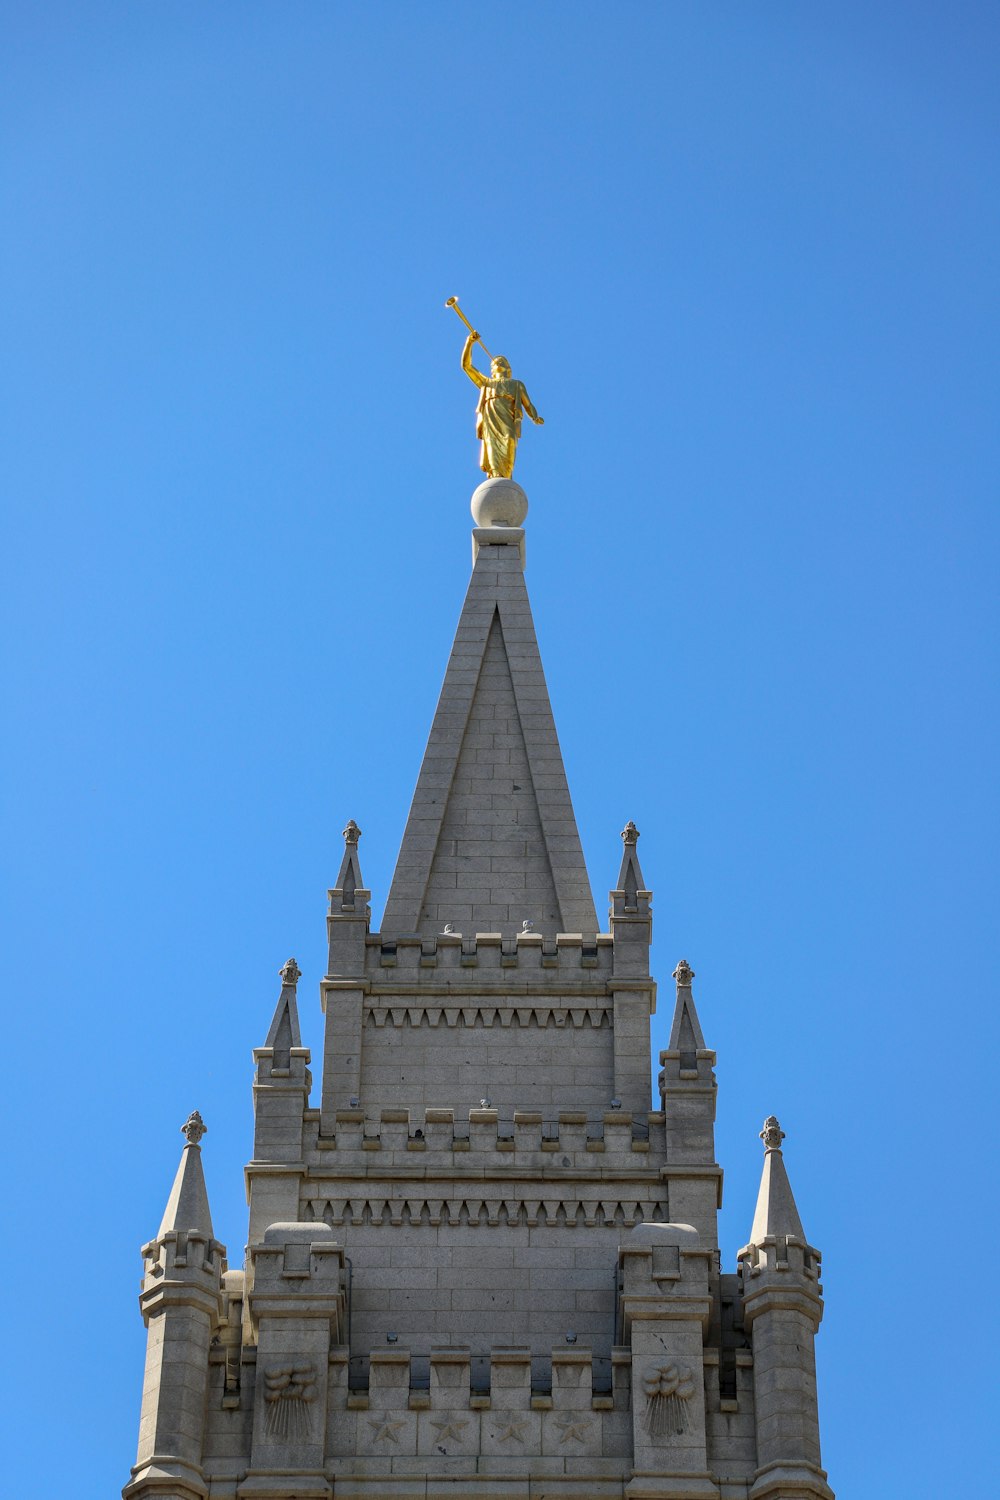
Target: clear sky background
[[746, 259]]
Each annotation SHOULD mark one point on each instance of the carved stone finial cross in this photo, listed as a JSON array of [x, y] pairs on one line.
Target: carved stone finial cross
[[290, 972], [194, 1128], [683, 972], [352, 832], [772, 1135], [630, 835]]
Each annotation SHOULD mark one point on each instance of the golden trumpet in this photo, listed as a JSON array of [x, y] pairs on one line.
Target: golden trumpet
[[453, 303]]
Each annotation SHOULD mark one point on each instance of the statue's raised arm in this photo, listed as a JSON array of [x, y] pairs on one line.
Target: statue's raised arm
[[474, 375]]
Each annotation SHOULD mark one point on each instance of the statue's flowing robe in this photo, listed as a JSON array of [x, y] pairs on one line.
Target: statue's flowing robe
[[498, 425]]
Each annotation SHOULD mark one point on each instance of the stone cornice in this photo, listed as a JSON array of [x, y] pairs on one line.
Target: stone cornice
[[163, 1295], [165, 1475], [781, 1296], [790, 1481], [527, 1178]]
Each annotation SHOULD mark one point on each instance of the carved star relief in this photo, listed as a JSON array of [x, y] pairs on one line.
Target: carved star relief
[[450, 1429], [512, 1431], [575, 1430], [384, 1429]]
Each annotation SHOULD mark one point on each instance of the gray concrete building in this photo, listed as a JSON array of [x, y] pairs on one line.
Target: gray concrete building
[[483, 1263]]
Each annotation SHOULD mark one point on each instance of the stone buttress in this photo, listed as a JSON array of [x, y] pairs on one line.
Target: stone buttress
[[484, 1265]]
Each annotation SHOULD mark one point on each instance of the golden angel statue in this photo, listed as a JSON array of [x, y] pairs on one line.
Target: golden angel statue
[[502, 399]]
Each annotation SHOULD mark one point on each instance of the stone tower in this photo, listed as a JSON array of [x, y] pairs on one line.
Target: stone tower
[[484, 1266]]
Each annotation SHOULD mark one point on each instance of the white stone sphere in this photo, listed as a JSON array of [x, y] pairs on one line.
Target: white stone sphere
[[499, 502]]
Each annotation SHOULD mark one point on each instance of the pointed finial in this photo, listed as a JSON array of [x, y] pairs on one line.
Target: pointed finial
[[194, 1128], [772, 1135], [290, 972], [352, 832], [630, 835], [683, 973]]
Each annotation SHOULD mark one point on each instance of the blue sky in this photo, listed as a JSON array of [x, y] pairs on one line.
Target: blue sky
[[746, 260]]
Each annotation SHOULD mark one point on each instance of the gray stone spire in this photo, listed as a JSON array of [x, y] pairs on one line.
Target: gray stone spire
[[491, 839], [350, 887], [631, 888], [688, 1087], [685, 1029], [284, 1033], [181, 1302], [782, 1308], [187, 1207], [280, 1094], [776, 1213]]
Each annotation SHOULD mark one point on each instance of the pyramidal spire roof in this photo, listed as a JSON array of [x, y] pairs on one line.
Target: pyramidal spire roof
[[630, 881], [491, 840], [349, 880], [187, 1207], [685, 1029], [284, 1032], [776, 1213]]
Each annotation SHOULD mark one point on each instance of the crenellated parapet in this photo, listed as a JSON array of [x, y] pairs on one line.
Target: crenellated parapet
[[500, 1409], [397, 1413], [446, 958], [525, 1139], [183, 1267]]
